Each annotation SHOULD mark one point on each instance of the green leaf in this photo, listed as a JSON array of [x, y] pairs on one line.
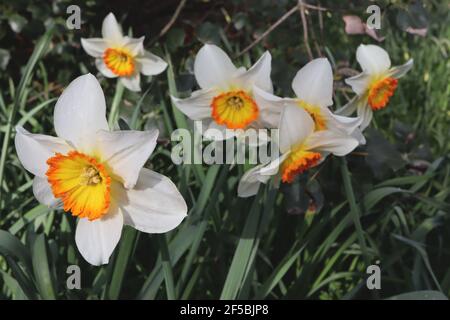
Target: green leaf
[[121, 261], [41, 268], [243, 256]]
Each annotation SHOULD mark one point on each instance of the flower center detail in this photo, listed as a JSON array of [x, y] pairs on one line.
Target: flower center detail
[[380, 92], [234, 109], [81, 182], [298, 162], [119, 61], [320, 123]]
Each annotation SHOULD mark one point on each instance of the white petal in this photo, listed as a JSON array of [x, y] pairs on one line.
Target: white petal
[[373, 59], [132, 83], [43, 193], [111, 30], [258, 75], [213, 67], [126, 152], [97, 239], [94, 47], [80, 112], [34, 150], [349, 108], [365, 113], [400, 71], [295, 126], [198, 105], [357, 134], [252, 179], [314, 83], [155, 205], [135, 45], [359, 83], [338, 122], [331, 141], [270, 107], [151, 64], [101, 66], [250, 183]]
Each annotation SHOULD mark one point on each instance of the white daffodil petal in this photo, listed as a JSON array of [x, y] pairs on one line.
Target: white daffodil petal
[[94, 47], [365, 113], [151, 64], [213, 67], [34, 150], [400, 71], [359, 83], [338, 122], [357, 134], [126, 152], [350, 107], [132, 83], [314, 83], [111, 30], [43, 193], [258, 75], [97, 239], [250, 182], [295, 125], [373, 59], [198, 105], [80, 112], [154, 205], [331, 141], [104, 70], [135, 45], [252, 179], [270, 107]]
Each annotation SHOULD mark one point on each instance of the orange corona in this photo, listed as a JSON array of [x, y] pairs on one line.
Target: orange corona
[[119, 61], [298, 162], [234, 109], [82, 184], [380, 92]]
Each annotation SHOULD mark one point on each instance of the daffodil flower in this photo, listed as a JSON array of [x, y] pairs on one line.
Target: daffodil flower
[[121, 56], [375, 85], [302, 147], [227, 99], [97, 175], [313, 87]]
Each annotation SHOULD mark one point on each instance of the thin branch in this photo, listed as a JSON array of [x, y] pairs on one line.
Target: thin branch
[[301, 6], [277, 23], [271, 28], [171, 21]]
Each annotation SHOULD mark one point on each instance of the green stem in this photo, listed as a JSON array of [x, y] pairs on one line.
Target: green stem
[[354, 209], [167, 267], [114, 113]]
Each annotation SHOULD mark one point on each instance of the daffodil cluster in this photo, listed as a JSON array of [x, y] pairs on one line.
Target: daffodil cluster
[[233, 98], [98, 175]]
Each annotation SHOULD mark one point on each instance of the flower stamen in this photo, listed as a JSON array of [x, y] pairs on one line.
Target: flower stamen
[[234, 109]]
